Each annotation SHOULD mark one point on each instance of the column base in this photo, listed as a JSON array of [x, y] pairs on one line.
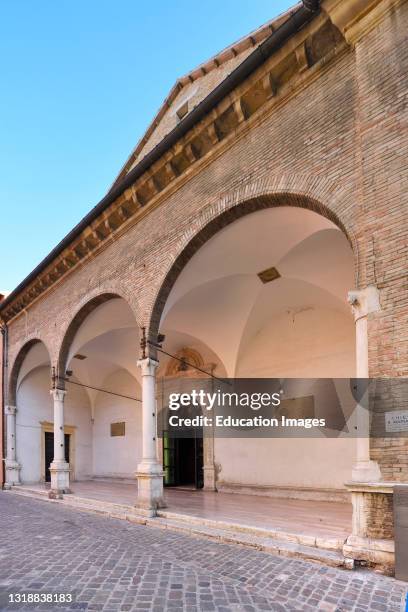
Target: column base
[[375, 552], [12, 474], [59, 479], [150, 487], [372, 539], [366, 471], [209, 478]]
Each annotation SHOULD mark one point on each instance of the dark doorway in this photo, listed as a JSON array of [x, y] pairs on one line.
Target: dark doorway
[[183, 461], [49, 452]]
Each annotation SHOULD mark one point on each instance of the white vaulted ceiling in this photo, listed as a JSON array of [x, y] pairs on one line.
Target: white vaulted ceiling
[[219, 299], [36, 357], [218, 305], [109, 341], [111, 315]]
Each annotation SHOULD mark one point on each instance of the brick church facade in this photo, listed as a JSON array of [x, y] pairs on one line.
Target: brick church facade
[[287, 150]]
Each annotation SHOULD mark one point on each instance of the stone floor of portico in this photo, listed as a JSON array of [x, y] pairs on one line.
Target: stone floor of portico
[[330, 520]]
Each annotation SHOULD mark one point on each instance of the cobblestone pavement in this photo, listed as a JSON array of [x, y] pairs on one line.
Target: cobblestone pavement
[[113, 565]]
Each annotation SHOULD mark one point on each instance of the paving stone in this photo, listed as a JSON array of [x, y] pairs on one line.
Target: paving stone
[[113, 566]]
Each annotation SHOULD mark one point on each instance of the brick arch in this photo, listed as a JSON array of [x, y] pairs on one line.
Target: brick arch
[[15, 369], [86, 306], [249, 199]]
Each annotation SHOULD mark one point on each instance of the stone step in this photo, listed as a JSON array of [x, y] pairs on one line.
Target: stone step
[[91, 505], [326, 543], [113, 511], [125, 514], [229, 533], [271, 545], [30, 492]]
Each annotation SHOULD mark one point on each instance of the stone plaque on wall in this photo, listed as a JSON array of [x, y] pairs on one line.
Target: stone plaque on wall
[[396, 421], [117, 429]]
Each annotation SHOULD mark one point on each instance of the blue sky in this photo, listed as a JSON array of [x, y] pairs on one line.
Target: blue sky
[[80, 82]]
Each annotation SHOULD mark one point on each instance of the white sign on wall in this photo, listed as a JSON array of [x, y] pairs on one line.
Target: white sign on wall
[[396, 421]]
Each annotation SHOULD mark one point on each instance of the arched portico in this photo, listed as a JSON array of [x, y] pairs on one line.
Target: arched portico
[[214, 300], [41, 432], [98, 354], [297, 325], [66, 400], [29, 372]]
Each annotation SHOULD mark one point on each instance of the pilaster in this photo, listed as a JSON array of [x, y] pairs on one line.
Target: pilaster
[[363, 303]]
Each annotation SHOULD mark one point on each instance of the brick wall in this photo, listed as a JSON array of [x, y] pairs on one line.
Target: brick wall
[[382, 67]]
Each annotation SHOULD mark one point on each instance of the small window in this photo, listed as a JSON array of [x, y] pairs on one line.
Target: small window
[[182, 111], [117, 429]]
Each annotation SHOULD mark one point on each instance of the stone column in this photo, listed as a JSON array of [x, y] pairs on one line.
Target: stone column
[[363, 303], [367, 491], [59, 467], [209, 464], [12, 467], [149, 471]]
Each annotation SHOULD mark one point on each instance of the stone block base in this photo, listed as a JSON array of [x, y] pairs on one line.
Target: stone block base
[[12, 474], [209, 478], [372, 540], [150, 491], [59, 479], [376, 553]]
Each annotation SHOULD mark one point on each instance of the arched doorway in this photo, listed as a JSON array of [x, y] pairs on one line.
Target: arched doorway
[[182, 455]]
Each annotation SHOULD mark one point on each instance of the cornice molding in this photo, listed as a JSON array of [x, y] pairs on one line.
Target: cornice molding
[[356, 18]]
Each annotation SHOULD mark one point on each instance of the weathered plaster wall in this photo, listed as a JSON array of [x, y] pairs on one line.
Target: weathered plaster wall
[[293, 463], [119, 455], [312, 343]]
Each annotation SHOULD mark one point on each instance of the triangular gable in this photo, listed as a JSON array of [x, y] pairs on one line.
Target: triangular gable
[[195, 86]]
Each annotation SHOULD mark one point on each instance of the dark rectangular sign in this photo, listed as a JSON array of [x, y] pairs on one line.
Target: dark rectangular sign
[[117, 429]]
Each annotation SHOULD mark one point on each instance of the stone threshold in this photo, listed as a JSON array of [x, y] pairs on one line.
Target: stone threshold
[[286, 492], [326, 551]]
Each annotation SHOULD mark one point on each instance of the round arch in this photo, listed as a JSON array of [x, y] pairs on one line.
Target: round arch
[[226, 212], [78, 319], [16, 367]]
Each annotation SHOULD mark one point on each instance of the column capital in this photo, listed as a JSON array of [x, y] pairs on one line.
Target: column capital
[[148, 366], [364, 301], [58, 394], [10, 410]]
